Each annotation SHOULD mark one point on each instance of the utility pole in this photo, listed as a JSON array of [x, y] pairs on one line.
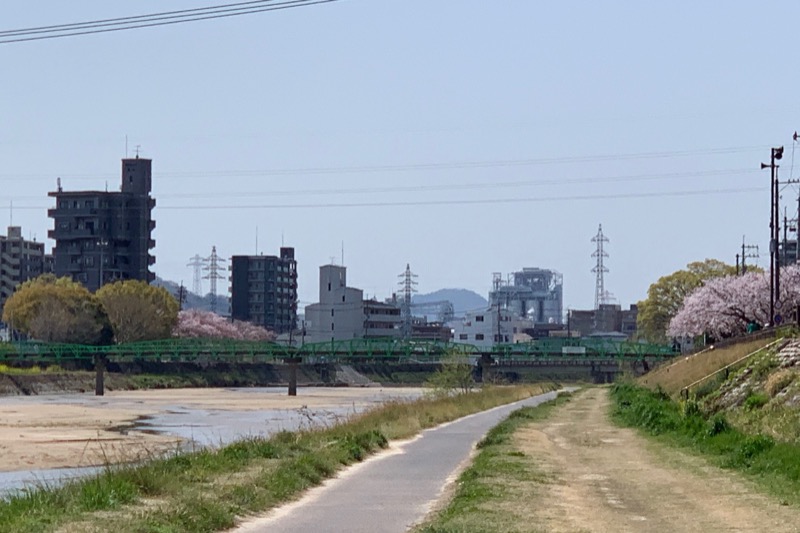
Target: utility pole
[[774, 282], [749, 251], [181, 296]]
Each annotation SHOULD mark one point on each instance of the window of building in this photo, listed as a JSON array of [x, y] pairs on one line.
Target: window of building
[[479, 336], [463, 337], [479, 318]]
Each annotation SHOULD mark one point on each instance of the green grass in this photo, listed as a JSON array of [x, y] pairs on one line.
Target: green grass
[[486, 483], [775, 466], [209, 489]]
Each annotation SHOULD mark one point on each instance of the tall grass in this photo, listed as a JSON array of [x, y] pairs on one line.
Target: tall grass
[[774, 465], [209, 489], [686, 370]]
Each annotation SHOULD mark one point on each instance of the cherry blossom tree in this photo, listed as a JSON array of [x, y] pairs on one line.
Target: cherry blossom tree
[[194, 323], [723, 307]]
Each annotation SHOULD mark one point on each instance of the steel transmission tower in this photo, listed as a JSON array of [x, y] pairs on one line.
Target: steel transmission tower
[[407, 284], [214, 265], [600, 295], [197, 263]]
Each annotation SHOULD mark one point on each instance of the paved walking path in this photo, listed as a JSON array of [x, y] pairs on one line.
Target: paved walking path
[[394, 490]]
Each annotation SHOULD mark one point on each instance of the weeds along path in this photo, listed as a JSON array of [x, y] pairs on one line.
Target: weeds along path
[[599, 477]]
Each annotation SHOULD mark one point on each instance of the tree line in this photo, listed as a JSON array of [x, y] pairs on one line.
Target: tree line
[[52, 309]]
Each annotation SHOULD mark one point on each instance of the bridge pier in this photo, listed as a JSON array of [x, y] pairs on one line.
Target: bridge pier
[[293, 362], [99, 374], [486, 363]]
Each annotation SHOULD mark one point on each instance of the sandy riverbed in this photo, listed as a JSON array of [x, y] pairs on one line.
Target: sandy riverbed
[[38, 432]]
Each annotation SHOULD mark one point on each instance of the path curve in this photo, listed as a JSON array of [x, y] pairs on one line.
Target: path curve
[[394, 490]]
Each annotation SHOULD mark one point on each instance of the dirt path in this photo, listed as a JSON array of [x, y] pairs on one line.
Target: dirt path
[[605, 478]]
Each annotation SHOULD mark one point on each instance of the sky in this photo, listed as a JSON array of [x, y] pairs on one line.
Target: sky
[[461, 137]]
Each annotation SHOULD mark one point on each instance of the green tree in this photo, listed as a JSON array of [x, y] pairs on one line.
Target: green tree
[[138, 311], [665, 296], [57, 310], [454, 375]]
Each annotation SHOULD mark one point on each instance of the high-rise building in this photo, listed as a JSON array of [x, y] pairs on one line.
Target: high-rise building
[[20, 260], [104, 236], [264, 290]]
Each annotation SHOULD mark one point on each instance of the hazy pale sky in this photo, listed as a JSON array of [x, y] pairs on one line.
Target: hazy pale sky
[[463, 137]]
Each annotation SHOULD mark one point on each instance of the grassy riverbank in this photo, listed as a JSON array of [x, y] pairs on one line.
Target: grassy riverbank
[[485, 488], [211, 489], [773, 465]]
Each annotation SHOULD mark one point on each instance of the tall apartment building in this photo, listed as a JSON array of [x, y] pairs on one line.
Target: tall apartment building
[[264, 290], [20, 260], [342, 313], [104, 236]]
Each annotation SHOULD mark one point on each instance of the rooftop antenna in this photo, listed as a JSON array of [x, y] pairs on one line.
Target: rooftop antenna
[[600, 295], [58, 185], [138, 148], [256, 240]]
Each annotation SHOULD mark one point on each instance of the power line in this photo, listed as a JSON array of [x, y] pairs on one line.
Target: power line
[[148, 21], [411, 203], [472, 202], [446, 187], [187, 174]]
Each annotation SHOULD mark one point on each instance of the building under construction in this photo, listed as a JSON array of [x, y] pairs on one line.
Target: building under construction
[[533, 293]]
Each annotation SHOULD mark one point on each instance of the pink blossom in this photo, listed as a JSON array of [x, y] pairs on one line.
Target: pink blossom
[[194, 323], [723, 307]]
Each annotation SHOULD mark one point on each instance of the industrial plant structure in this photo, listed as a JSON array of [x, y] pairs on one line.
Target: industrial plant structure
[[532, 293]]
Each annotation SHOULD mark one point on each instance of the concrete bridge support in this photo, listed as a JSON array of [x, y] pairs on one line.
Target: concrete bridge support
[[486, 363], [293, 362], [99, 374]]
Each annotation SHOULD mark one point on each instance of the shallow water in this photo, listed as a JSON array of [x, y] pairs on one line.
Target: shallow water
[[199, 428]]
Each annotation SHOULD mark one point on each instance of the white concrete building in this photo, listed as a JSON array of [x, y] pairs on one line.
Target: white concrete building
[[486, 328], [342, 313]]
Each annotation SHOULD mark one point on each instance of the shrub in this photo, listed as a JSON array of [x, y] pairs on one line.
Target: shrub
[[756, 400], [779, 380]]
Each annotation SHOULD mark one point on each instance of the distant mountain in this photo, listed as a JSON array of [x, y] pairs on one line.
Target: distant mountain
[[195, 301], [462, 299]]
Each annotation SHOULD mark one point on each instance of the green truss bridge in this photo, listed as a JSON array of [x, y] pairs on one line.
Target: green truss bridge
[[356, 350]]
